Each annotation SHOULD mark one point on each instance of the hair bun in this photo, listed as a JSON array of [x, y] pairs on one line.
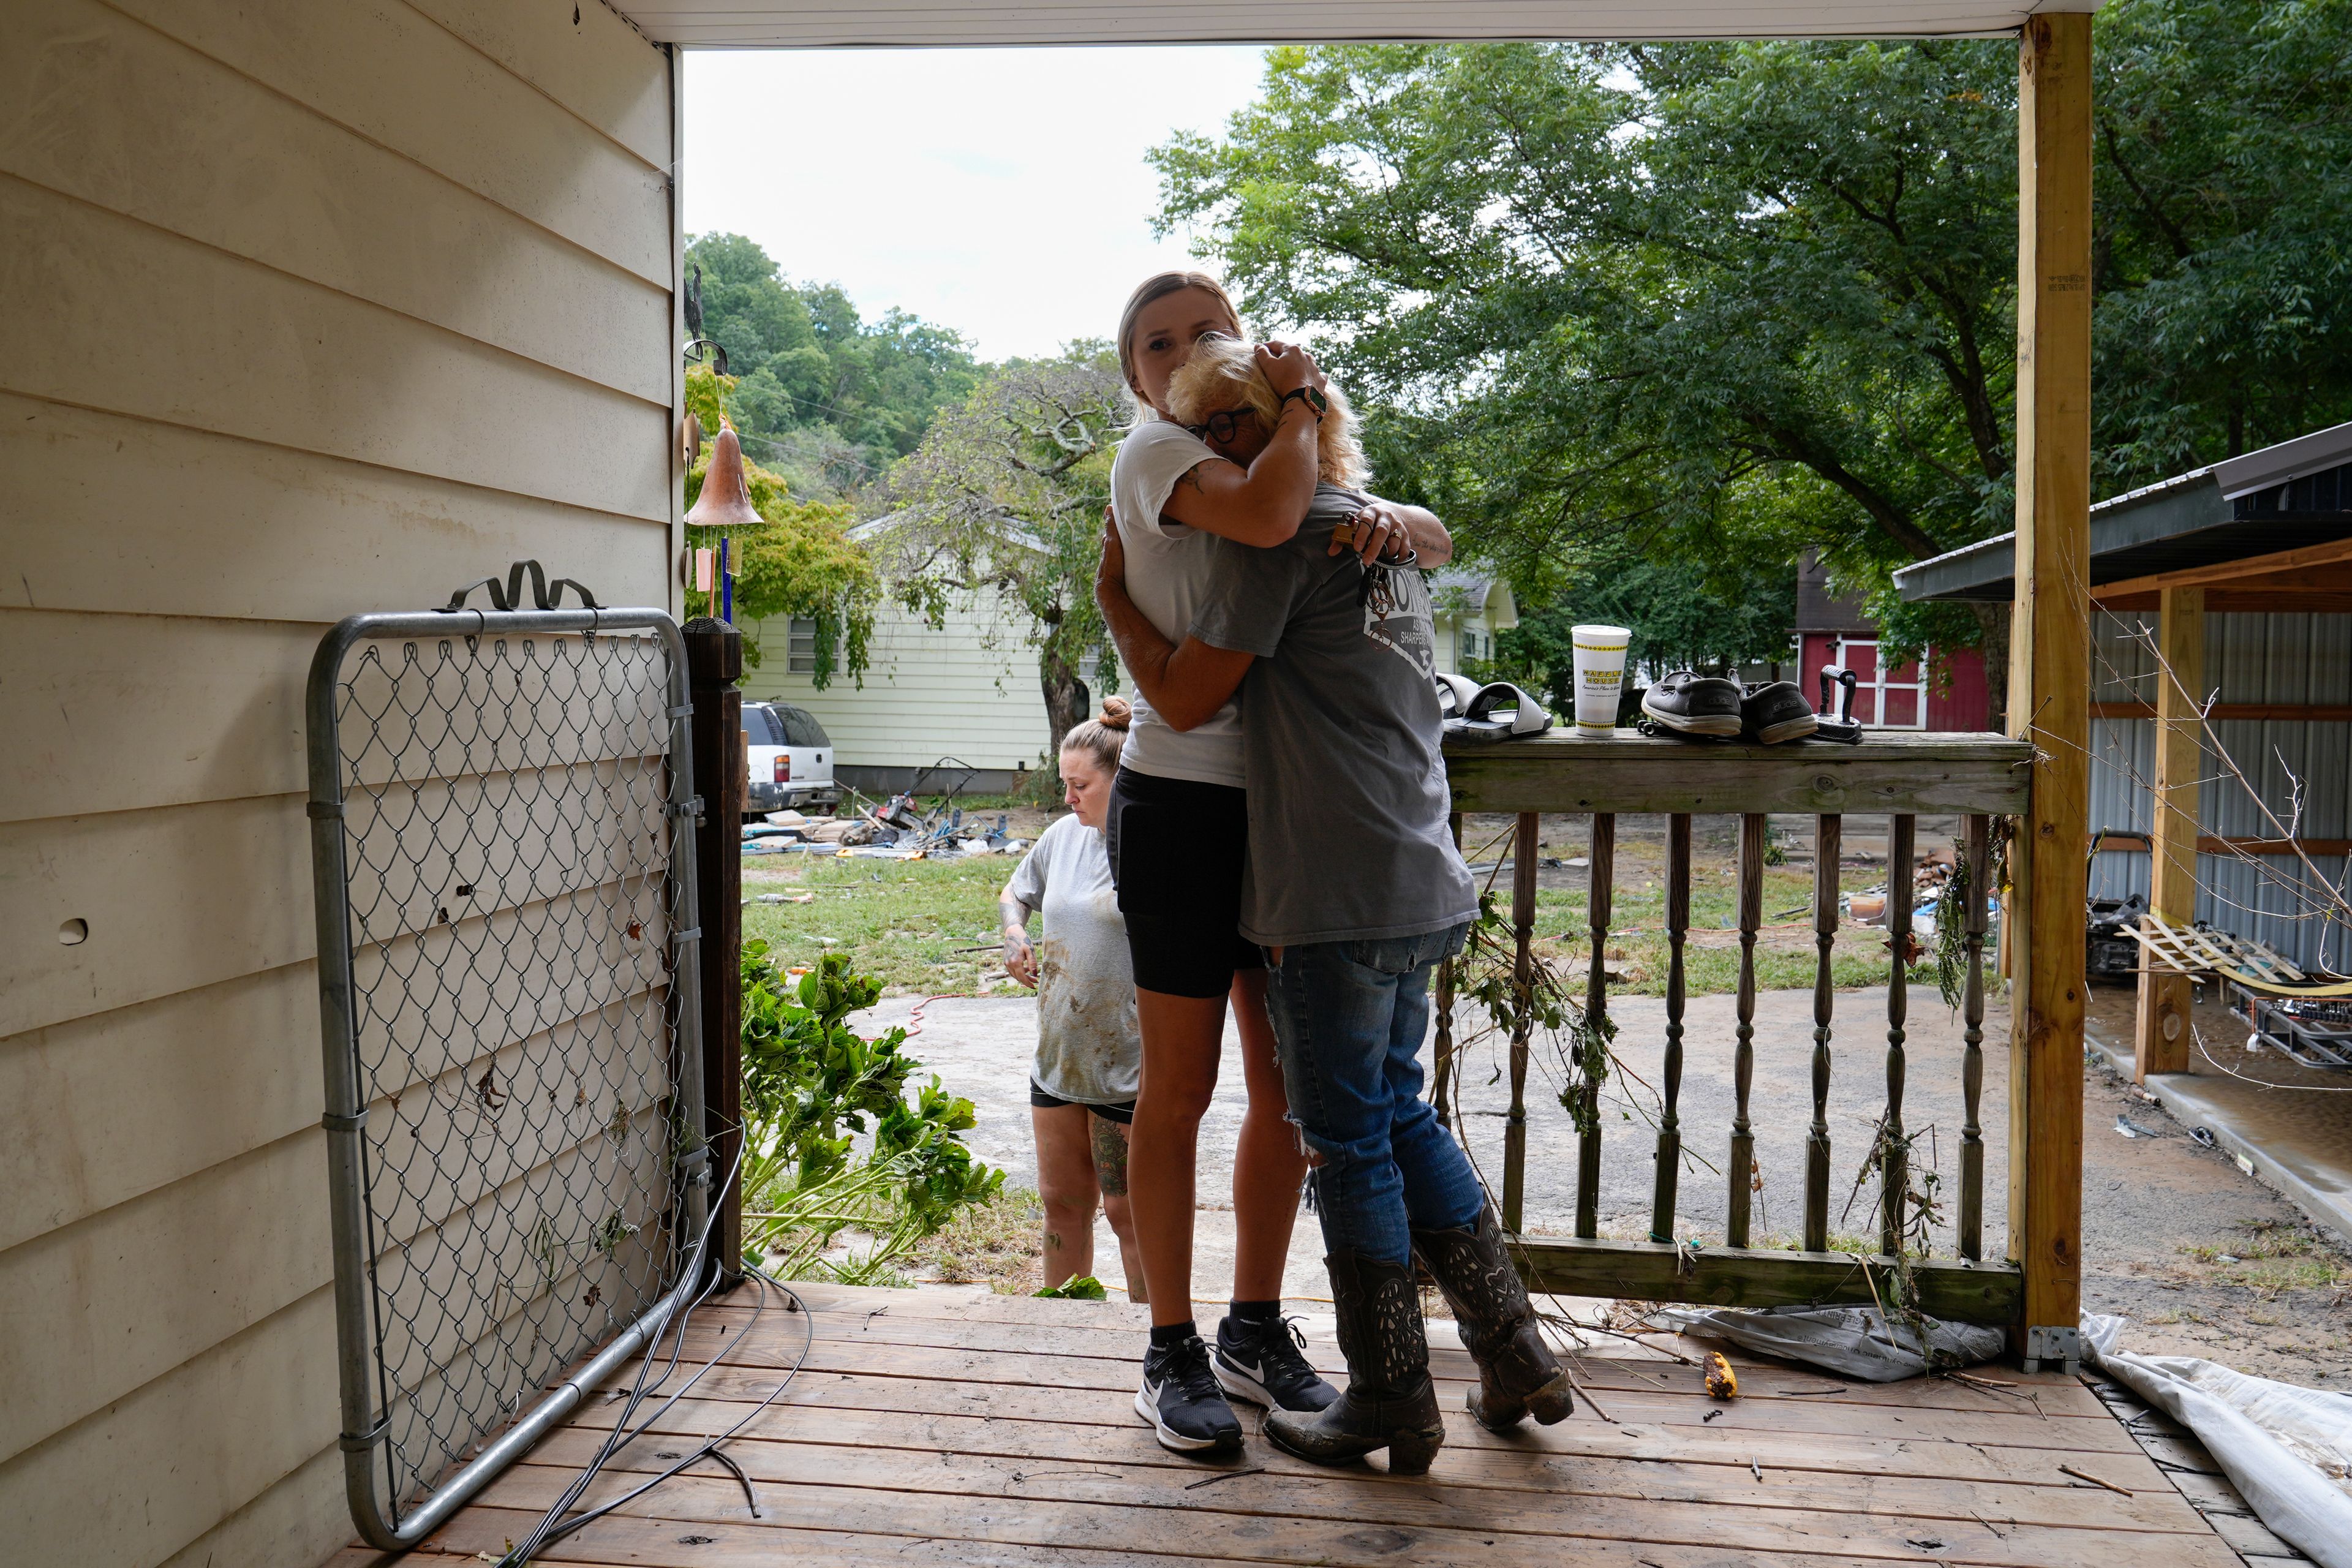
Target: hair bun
[[1117, 714]]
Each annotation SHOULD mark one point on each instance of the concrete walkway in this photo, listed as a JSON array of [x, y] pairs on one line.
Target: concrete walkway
[[2289, 1125]]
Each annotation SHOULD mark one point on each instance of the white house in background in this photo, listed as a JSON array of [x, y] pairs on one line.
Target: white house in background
[[968, 689], [1471, 606]]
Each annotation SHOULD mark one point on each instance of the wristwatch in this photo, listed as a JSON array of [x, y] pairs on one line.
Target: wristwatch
[[1317, 403]]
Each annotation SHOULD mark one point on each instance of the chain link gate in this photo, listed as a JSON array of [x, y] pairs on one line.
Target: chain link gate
[[502, 839]]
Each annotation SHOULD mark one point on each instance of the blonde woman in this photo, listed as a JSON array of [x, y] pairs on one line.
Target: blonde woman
[[1177, 829]]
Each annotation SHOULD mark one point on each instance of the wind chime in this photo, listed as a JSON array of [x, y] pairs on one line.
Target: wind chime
[[725, 503]]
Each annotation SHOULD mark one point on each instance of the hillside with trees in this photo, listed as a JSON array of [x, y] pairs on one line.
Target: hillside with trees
[[821, 396]]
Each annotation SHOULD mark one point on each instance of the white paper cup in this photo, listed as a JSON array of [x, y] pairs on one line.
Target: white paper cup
[[1600, 674]]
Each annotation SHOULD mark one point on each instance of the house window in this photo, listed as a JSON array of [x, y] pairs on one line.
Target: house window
[[800, 655], [1469, 643], [1885, 699]]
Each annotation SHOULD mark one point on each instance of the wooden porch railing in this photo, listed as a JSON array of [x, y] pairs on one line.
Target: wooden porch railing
[[1976, 776]]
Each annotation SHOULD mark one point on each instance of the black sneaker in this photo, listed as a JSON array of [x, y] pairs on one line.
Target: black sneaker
[[1265, 1363], [1180, 1401], [1692, 704], [1775, 712]]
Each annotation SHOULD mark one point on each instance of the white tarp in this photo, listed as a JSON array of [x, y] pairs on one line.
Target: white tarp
[[2287, 1450], [1854, 1341]]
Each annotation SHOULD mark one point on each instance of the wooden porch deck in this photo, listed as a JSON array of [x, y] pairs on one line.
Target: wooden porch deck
[[929, 1427]]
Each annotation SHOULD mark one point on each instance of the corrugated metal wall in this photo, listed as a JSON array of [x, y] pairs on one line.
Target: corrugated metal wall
[[2248, 659]]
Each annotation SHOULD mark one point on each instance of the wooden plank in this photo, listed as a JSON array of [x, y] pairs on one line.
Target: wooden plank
[[782, 1536], [1111, 1381], [1599, 882], [1580, 1456], [1630, 773], [2160, 1033], [1722, 1481], [586, 58], [1648, 1427], [2050, 642], [481, 1533], [138, 321], [105, 111], [1525, 849], [776, 1337], [198, 524], [1723, 1277], [1827, 833], [1668, 1157], [1337, 1518], [2223, 573], [398, 79]]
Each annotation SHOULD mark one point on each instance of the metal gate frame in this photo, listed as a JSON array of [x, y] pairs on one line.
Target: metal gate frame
[[365, 1425]]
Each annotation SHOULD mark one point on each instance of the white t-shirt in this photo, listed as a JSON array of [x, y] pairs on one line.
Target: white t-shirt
[[1089, 1048], [1167, 567]]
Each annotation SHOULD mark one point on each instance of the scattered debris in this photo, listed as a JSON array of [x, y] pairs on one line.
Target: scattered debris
[[1224, 1475], [1708, 1416], [2130, 1129], [2087, 1476]]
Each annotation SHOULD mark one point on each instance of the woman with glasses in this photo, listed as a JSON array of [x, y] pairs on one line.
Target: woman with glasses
[[1177, 831]]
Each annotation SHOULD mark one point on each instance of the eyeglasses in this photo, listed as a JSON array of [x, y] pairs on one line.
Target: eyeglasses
[[1223, 425]]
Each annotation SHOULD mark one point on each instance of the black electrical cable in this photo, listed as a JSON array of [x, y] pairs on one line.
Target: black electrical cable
[[621, 1434], [553, 1526]]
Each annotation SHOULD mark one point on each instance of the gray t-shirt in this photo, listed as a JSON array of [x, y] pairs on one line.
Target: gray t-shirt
[[1089, 1048], [1348, 799]]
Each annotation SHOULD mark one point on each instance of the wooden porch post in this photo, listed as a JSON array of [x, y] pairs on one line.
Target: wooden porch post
[[2160, 1038], [2049, 687]]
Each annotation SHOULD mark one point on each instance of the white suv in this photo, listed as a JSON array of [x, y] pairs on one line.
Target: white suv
[[790, 757]]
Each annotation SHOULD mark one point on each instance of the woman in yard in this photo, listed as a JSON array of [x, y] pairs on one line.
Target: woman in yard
[[1089, 1055], [1177, 831]]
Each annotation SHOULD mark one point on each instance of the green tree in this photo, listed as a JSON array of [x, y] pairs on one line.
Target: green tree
[[2223, 272], [800, 563], [1723, 301], [819, 392], [1005, 496]]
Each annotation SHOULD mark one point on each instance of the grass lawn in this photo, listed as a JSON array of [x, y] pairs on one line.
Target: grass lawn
[[903, 922]]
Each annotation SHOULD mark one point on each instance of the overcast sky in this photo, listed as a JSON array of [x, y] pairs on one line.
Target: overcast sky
[[1000, 192]]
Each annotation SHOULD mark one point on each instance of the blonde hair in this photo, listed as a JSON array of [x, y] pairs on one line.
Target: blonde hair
[[1159, 286], [1102, 736], [1222, 373]]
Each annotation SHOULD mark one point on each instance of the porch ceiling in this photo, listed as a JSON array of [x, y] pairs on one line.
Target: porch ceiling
[[815, 23]]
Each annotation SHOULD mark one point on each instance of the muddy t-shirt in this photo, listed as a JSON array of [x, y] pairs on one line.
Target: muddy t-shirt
[[1088, 1047], [1339, 740]]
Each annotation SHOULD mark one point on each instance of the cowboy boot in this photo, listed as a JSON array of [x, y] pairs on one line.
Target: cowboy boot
[[1389, 1402], [1517, 1374]]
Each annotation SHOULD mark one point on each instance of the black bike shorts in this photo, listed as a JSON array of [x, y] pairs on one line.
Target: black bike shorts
[[1176, 851]]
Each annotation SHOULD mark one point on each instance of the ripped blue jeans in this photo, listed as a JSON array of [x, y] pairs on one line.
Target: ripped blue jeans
[[1351, 1017]]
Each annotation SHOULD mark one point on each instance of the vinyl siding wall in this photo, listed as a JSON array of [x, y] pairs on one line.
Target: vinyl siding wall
[[968, 689], [307, 307]]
